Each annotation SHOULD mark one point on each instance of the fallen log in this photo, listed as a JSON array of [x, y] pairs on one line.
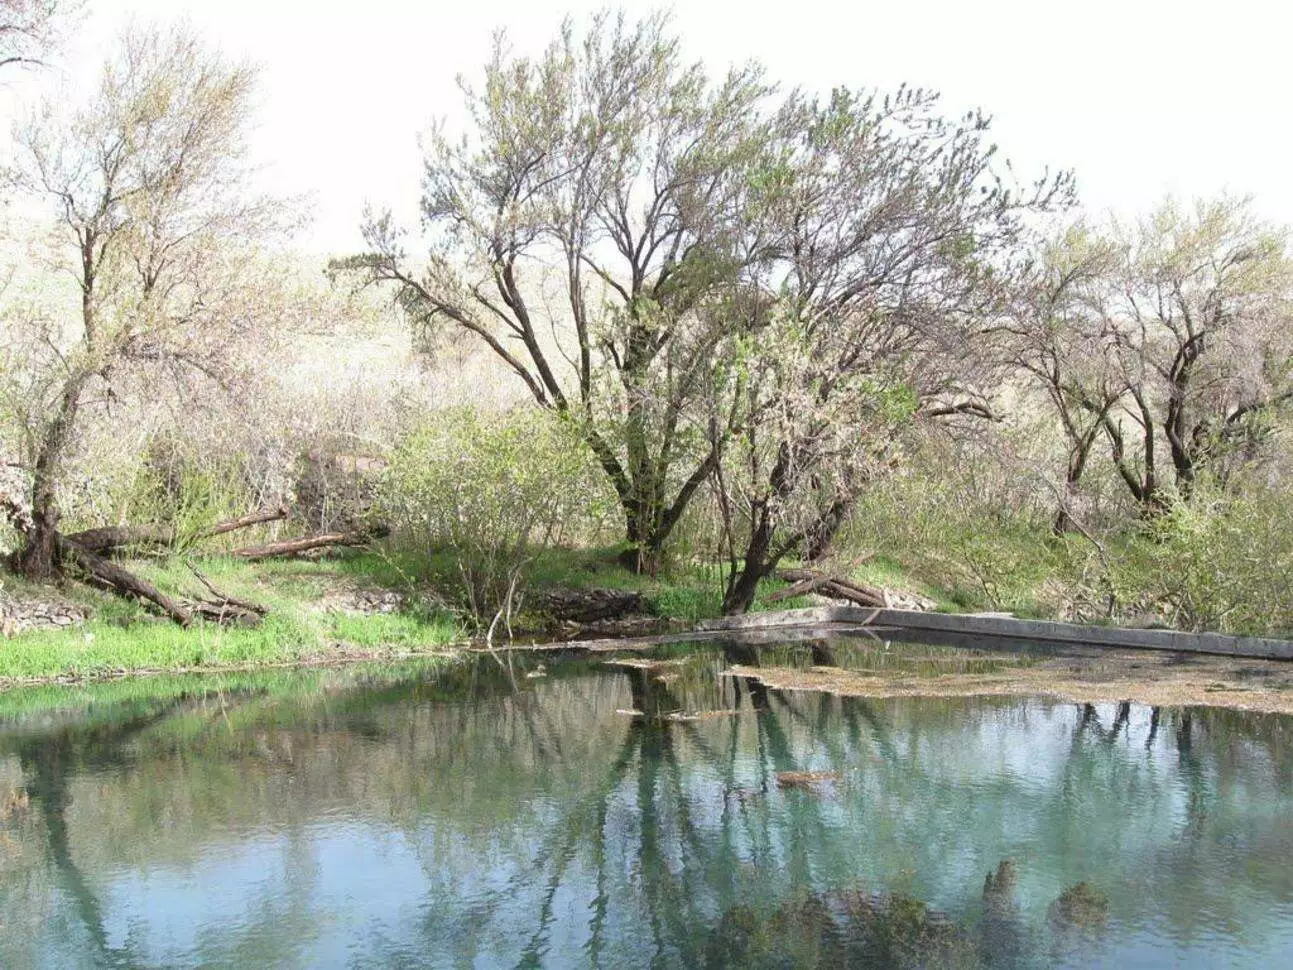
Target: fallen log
[[813, 575], [112, 577], [801, 588], [294, 547], [113, 538], [246, 521], [109, 575], [809, 580], [109, 540]]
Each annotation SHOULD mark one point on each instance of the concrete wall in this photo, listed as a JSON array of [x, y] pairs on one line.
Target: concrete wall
[[990, 625]]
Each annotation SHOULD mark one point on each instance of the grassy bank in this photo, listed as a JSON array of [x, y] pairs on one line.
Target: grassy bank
[[313, 617], [309, 622]]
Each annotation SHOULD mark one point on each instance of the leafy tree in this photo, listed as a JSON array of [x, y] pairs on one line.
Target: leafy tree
[[147, 184], [1057, 336], [1202, 306], [598, 202], [892, 236], [1171, 337]]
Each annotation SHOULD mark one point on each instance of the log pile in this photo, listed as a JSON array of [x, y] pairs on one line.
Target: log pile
[[805, 581], [89, 555]]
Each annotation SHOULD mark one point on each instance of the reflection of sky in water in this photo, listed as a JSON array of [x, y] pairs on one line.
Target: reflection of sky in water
[[411, 831]]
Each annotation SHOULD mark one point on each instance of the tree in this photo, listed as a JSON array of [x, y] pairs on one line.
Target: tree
[[579, 232], [891, 236], [1169, 339], [147, 183], [1058, 335], [1203, 308], [31, 28]]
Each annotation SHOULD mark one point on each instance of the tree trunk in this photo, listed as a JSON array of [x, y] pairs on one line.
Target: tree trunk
[[822, 536], [1063, 523], [645, 554], [740, 595], [1079, 454], [39, 559], [111, 576], [760, 556], [743, 587]]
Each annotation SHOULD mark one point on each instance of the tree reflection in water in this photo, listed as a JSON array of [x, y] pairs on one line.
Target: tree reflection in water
[[517, 821]]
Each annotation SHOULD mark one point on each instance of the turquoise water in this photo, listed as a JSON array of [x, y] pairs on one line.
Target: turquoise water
[[511, 813]]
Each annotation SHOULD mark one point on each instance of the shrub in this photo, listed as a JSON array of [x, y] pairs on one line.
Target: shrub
[[1215, 563], [984, 557], [492, 490]]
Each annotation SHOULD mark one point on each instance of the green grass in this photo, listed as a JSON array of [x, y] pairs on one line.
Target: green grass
[[122, 637]]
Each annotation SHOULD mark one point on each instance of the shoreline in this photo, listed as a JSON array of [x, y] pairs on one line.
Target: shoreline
[[1085, 676], [350, 657]]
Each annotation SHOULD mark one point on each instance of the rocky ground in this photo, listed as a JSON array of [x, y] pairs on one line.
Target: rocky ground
[[21, 614]]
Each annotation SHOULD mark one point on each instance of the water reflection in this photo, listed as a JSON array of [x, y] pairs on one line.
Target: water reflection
[[648, 814]]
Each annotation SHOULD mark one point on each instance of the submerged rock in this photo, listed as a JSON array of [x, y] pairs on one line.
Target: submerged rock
[[817, 782], [1082, 906], [844, 929], [999, 889]]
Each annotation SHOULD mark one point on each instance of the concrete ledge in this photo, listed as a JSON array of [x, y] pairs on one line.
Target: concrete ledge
[[1004, 626]]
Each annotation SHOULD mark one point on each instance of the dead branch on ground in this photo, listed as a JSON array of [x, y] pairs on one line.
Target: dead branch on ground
[[805, 581], [295, 547]]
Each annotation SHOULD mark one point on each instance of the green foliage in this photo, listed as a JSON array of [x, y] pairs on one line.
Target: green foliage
[[1215, 563], [492, 491], [187, 495], [971, 556]]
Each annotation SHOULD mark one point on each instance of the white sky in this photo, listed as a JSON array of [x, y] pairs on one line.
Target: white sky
[[1140, 97]]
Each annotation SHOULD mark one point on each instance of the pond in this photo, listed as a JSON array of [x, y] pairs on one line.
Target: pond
[[626, 810]]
